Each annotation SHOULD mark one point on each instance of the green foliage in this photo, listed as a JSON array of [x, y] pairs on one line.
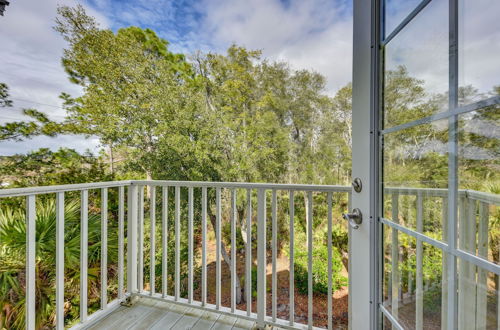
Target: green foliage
[[45, 167], [12, 267], [319, 269]]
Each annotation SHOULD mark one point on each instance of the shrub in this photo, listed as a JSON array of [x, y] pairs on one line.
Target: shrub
[[319, 269]]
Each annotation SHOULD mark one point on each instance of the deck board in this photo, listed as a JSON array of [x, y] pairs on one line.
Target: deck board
[[150, 314]]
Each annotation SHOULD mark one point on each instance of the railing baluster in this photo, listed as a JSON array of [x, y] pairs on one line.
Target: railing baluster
[[309, 260], [419, 280], [395, 286], [444, 267], [248, 254], [292, 263], [164, 241], [141, 240], [261, 257], [274, 251], [104, 248], [177, 241], [132, 213], [204, 246], [233, 250], [470, 303], [60, 261], [217, 247], [330, 257], [30, 262], [121, 232], [190, 244], [482, 275], [83, 254], [152, 234]]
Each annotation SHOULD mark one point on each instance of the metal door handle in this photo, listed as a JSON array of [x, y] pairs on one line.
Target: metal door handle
[[355, 218]]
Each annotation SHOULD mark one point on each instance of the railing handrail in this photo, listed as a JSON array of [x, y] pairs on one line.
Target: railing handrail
[[439, 192]]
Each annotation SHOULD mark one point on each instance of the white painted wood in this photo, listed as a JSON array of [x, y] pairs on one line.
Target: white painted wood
[[261, 257], [152, 239], [309, 221], [132, 200], [164, 241], [60, 261], [444, 267], [482, 275], [104, 248], [140, 275], [292, 263], [204, 245], [395, 275], [330, 257], [30, 262], [274, 252], [190, 244], [177, 242], [470, 236], [218, 272], [233, 250], [248, 254], [83, 255], [360, 249], [419, 304], [462, 283], [121, 234]]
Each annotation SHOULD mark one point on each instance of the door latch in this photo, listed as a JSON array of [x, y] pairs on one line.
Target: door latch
[[355, 218]]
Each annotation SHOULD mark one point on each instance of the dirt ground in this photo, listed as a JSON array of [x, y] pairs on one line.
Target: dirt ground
[[320, 302]]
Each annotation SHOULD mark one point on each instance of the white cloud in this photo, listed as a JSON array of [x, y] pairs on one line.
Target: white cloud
[[313, 35], [30, 56]]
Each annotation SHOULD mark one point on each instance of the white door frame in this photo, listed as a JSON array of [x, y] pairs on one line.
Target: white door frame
[[363, 270]]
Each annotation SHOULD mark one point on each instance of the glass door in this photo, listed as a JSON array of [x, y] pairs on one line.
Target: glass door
[[439, 160]]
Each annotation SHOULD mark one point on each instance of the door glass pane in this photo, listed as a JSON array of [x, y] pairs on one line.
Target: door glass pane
[[479, 49], [479, 183], [396, 11], [416, 67], [415, 177]]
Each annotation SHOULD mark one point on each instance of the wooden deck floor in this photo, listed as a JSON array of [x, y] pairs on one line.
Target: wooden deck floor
[[153, 314]]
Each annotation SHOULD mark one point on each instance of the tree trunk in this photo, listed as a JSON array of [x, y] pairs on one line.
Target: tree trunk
[[111, 160], [227, 259]]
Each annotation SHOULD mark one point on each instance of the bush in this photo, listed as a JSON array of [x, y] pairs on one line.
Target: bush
[[319, 270]]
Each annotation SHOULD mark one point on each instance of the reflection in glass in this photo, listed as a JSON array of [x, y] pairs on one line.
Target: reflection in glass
[[414, 281], [416, 67], [479, 183], [415, 178], [396, 11], [479, 46], [477, 291]]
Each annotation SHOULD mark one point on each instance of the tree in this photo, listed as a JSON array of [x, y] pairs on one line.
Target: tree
[[20, 130]]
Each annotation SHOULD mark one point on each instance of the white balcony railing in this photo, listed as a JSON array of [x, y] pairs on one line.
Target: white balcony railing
[[130, 216]]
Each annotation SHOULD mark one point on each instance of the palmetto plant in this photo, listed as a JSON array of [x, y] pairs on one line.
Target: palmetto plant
[[13, 257]]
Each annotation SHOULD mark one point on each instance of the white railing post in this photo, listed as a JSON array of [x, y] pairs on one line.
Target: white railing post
[[292, 262], [164, 241], [152, 238], [274, 244], [83, 254], [330, 264], [419, 305], [204, 246], [60, 261], [218, 273], [140, 266], [309, 221], [104, 248], [30, 262], [395, 276], [132, 238], [261, 257], [121, 235], [233, 250], [248, 254], [177, 228], [190, 244], [482, 275]]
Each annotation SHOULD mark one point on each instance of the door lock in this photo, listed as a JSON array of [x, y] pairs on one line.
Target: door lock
[[355, 218]]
